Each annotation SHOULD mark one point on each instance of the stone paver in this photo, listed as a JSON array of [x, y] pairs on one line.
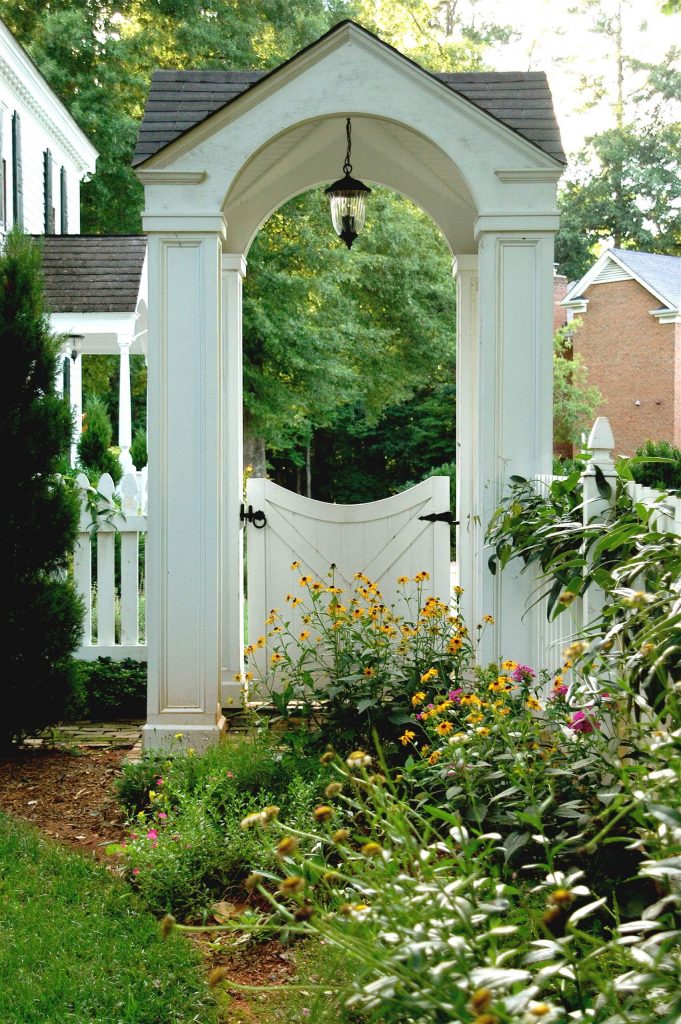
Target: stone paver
[[91, 735]]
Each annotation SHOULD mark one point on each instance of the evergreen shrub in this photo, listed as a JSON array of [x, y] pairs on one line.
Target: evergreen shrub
[[43, 620], [138, 449], [94, 447], [108, 690], [664, 476]]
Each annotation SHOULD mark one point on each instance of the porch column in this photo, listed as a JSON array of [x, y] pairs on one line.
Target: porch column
[[233, 272], [124, 403], [76, 399], [184, 577], [514, 413], [469, 554]]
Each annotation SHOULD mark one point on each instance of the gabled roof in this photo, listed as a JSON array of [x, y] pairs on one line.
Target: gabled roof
[[180, 100], [29, 84], [658, 273], [92, 273]]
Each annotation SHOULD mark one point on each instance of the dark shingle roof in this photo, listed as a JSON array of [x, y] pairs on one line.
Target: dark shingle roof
[[92, 273], [179, 100], [662, 273]]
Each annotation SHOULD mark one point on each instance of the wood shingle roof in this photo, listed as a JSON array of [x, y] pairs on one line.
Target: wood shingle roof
[[180, 100], [92, 273]]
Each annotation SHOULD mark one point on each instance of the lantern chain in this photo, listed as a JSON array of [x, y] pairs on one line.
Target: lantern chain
[[347, 166]]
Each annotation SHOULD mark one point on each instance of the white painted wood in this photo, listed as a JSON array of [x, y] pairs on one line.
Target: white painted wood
[[106, 588], [76, 395], [232, 658], [511, 416], [117, 652], [124, 403], [184, 578], [384, 539], [129, 588], [82, 571], [45, 124]]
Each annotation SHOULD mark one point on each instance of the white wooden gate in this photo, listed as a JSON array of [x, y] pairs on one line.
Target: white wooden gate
[[384, 539]]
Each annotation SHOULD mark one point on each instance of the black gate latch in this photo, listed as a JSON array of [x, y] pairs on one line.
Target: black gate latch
[[257, 519], [439, 517]]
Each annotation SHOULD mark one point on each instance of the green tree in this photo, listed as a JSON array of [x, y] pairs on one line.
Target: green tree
[[327, 330], [625, 182], [43, 617], [574, 400]]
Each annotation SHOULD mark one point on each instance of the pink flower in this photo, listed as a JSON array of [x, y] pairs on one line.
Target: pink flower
[[230, 775], [135, 871], [152, 834], [559, 691], [162, 814], [159, 782], [455, 695], [522, 674], [581, 722], [133, 835]]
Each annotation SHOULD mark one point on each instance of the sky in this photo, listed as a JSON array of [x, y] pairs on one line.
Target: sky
[[553, 40]]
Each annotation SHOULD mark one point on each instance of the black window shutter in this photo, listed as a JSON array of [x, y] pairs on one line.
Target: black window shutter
[[47, 179], [64, 202], [17, 172]]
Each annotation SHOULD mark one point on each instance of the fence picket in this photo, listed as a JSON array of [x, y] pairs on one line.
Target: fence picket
[[106, 587]]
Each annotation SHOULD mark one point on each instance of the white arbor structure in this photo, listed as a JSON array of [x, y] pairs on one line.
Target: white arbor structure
[[487, 179]]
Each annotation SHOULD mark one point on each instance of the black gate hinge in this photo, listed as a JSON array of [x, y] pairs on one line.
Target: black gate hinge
[[440, 517], [257, 519]]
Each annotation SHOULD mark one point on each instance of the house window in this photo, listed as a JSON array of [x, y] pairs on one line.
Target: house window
[[3, 192], [64, 205], [17, 172], [49, 214]]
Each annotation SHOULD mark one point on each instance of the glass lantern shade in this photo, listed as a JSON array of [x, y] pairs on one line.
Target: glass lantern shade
[[347, 199]]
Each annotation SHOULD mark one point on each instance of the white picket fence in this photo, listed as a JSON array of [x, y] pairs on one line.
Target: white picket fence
[[113, 600], [552, 637], [111, 623]]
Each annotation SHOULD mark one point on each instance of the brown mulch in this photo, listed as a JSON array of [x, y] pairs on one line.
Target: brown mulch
[[67, 795]]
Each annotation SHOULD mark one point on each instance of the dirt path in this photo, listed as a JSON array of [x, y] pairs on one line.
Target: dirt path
[[67, 795]]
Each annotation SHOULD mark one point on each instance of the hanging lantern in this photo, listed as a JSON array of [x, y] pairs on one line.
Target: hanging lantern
[[347, 199]]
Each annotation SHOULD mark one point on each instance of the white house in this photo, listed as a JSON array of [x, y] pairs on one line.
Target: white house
[[44, 155]]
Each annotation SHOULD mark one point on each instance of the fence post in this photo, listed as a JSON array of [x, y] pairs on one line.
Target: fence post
[[599, 470]]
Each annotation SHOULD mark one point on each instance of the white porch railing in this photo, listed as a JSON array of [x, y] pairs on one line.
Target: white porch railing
[[113, 600]]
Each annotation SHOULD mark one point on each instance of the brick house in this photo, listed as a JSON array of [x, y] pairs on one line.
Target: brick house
[[630, 341]]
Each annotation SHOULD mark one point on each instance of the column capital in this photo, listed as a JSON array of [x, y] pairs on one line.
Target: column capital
[[124, 341], [465, 263], [234, 261], [185, 224], [517, 223]]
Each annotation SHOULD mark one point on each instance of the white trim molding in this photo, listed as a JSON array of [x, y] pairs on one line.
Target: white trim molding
[[25, 80]]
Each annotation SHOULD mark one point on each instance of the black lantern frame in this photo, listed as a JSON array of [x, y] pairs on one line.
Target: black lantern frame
[[347, 199]]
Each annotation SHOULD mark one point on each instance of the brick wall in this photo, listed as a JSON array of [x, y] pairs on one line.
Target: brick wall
[[631, 358], [560, 287]]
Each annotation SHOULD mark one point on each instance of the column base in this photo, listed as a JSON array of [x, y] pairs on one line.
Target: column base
[[177, 738]]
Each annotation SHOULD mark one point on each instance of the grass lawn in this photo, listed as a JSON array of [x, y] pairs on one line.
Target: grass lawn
[[77, 949]]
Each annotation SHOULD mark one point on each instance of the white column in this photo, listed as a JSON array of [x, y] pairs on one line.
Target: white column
[[124, 403], [233, 272], [184, 576], [514, 412], [59, 376], [469, 538], [76, 395]]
